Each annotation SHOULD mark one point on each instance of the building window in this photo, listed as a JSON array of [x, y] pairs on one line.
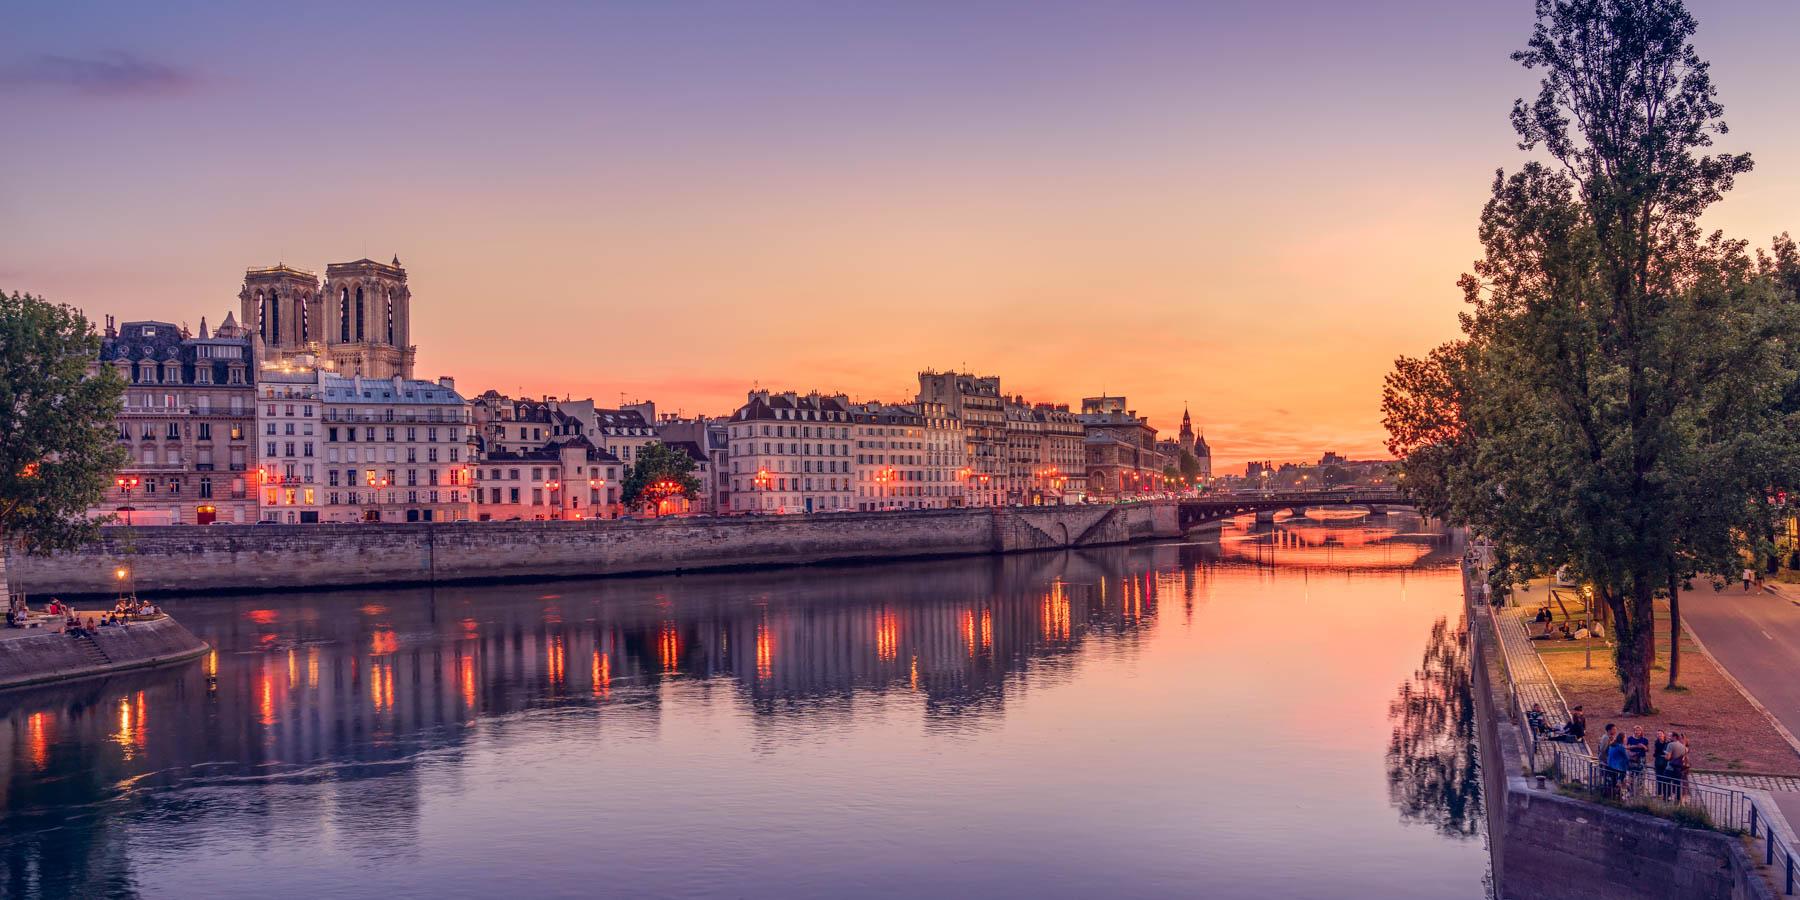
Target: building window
[[344, 315], [359, 313]]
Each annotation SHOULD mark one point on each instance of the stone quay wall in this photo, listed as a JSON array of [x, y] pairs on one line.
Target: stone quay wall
[[43, 656], [218, 558], [1546, 845]]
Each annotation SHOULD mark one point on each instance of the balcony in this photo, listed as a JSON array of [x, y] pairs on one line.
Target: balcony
[[433, 417]]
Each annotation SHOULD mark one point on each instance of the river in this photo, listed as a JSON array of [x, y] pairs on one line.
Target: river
[[1278, 712]]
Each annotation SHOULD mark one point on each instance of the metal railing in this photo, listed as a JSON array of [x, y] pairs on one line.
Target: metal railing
[[1772, 843]]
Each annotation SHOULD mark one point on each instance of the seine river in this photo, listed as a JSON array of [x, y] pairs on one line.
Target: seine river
[[1279, 712]]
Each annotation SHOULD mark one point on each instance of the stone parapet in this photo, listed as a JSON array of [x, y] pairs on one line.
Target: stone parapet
[[190, 559]]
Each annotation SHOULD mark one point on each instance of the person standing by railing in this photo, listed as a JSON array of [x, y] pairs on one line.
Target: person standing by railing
[[1618, 764], [1637, 747], [1678, 767]]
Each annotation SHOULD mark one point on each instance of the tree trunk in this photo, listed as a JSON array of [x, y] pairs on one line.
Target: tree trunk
[[1674, 630], [1634, 627], [5, 586]]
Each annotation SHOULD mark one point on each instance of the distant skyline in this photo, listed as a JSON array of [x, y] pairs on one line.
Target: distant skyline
[[1250, 208]]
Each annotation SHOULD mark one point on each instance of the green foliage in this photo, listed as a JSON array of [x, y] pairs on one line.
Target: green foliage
[[1189, 465], [1624, 399], [58, 450], [659, 463], [1171, 473]]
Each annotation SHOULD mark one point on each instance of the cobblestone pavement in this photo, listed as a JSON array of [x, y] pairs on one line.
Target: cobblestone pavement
[[1748, 782]]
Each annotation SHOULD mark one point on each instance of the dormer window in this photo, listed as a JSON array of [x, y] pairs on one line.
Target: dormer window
[[148, 331]]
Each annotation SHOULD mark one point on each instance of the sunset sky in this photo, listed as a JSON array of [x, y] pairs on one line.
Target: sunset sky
[[1250, 207]]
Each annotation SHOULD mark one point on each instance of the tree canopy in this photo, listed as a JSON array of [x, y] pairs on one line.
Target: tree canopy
[[1623, 398], [58, 450], [660, 472], [1189, 465]]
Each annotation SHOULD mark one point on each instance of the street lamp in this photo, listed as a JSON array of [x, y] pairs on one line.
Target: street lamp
[[126, 483]]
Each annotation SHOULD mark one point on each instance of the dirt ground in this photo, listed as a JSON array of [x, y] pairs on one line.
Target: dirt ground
[[1725, 733]]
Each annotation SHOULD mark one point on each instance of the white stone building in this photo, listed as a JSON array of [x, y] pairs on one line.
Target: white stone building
[[396, 450], [791, 454], [908, 456], [289, 437]]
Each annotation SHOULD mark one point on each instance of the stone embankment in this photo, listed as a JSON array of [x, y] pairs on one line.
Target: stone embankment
[[35, 656], [192, 559]]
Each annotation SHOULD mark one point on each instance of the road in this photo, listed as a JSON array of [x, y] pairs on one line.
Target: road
[[1756, 637]]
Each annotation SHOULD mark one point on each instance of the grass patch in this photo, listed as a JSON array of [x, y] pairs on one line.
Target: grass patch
[[1676, 688], [1685, 815]]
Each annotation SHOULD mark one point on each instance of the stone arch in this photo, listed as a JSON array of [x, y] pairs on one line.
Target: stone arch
[[1062, 534]]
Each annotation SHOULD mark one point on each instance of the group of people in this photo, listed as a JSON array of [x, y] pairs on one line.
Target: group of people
[[18, 613], [1625, 756], [1554, 632]]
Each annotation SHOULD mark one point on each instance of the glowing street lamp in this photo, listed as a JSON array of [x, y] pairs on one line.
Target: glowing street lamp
[[126, 483]]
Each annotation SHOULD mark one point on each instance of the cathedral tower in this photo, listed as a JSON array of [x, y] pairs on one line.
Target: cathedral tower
[[356, 322], [280, 305]]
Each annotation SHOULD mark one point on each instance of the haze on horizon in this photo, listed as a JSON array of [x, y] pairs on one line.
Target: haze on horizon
[[1248, 208]]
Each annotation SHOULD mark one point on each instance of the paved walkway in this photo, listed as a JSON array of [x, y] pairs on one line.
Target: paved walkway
[[1529, 677]]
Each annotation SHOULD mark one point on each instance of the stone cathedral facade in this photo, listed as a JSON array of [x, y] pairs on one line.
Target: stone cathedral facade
[[357, 321]]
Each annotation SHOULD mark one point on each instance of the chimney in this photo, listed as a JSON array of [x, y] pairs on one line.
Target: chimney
[[445, 382]]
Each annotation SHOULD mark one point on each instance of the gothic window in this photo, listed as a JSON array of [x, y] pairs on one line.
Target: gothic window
[[274, 319], [343, 315], [304, 323], [390, 317], [359, 314], [262, 316]]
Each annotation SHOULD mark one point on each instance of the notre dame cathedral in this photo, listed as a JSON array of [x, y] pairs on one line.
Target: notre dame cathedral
[[356, 322]]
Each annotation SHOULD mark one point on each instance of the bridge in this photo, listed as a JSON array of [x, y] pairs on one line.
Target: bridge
[[1214, 507]]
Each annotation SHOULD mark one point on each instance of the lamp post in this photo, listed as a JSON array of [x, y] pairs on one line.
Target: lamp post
[[761, 482], [594, 486], [560, 503], [126, 483]]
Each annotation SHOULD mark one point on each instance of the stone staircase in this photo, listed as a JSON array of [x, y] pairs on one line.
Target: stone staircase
[[91, 650]]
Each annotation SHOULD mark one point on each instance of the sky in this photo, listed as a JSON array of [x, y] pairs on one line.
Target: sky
[[1249, 209]]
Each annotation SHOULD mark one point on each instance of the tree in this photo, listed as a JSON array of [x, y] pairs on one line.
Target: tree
[[1621, 400], [661, 472], [58, 450], [1171, 475], [1190, 466]]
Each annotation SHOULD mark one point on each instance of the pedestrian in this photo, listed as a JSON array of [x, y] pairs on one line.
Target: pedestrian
[[1660, 751], [1618, 762], [1759, 575], [1748, 575], [1608, 737], [1638, 747], [1678, 767]]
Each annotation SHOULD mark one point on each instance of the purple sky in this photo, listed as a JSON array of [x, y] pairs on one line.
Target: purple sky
[[1249, 207]]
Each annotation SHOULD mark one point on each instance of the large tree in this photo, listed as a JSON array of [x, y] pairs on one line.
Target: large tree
[[660, 472], [58, 451], [1620, 400]]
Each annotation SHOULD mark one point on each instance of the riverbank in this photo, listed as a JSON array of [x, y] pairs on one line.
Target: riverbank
[[190, 559], [30, 656], [1727, 734], [1549, 845]]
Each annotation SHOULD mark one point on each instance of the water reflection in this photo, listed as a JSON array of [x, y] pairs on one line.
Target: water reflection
[[331, 722], [1434, 776]]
